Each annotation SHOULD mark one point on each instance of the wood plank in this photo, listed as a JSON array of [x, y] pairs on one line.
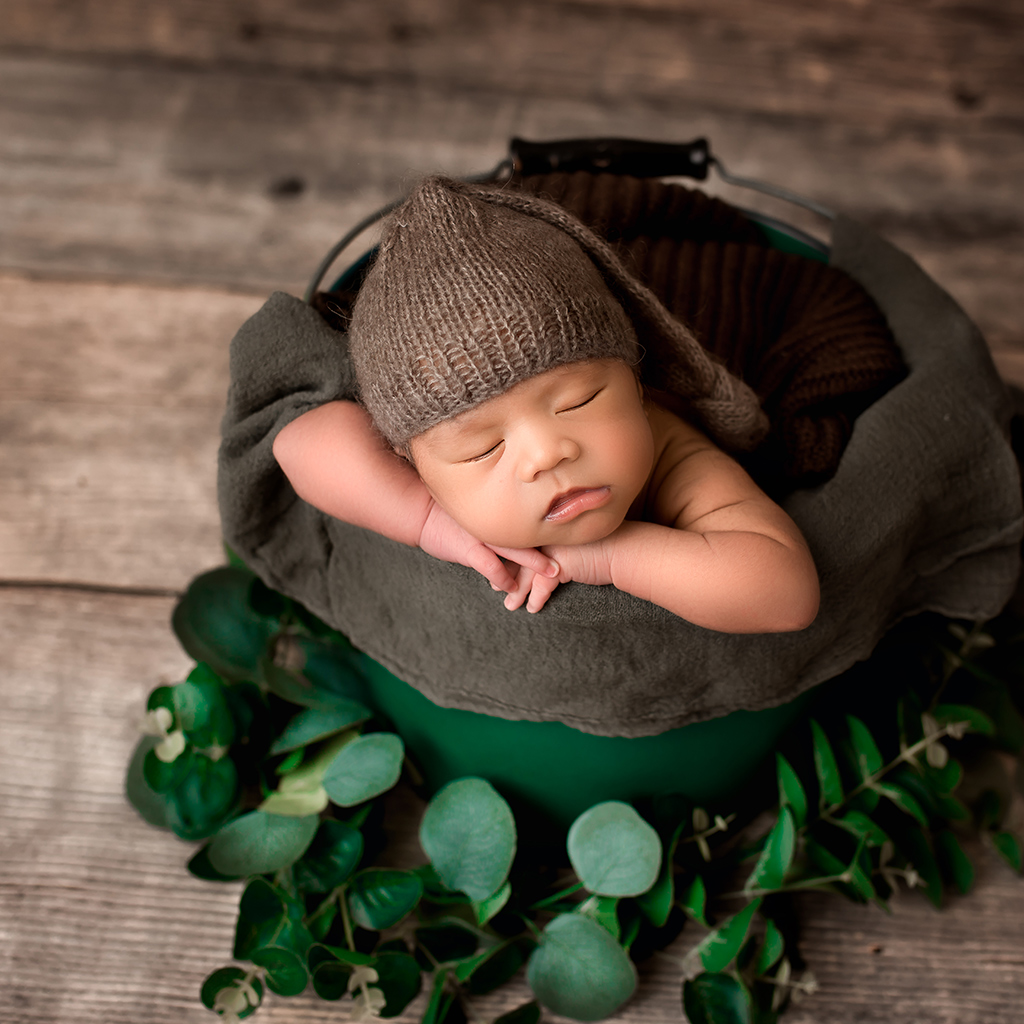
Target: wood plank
[[110, 401], [183, 174], [103, 925], [801, 58]]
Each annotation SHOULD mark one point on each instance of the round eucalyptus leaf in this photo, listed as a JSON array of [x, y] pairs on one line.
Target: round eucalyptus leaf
[[579, 970], [165, 776], [318, 723], [528, 1013], [232, 978], [215, 624], [200, 867], [330, 979], [286, 973], [202, 709], [469, 834], [613, 851], [399, 978], [332, 856], [716, 999], [154, 807], [379, 897], [262, 917], [365, 768], [258, 842], [205, 798]]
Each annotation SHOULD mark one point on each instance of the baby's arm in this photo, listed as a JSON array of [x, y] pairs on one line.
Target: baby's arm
[[336, 461], [720, 553]]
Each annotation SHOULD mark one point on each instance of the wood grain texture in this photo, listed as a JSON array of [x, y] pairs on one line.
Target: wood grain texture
[[138, 140], [796, 57], [103, 925], [110, 401]]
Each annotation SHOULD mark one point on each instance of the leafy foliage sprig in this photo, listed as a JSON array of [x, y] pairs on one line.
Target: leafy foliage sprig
[[270, 754]]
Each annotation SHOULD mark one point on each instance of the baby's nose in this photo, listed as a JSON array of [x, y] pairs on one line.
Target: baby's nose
[[544, 453]]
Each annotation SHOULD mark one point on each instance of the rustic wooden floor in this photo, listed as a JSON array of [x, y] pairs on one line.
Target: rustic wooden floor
[[163, 166]]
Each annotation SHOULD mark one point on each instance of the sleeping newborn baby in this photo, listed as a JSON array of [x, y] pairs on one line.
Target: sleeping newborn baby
[[499, 347]]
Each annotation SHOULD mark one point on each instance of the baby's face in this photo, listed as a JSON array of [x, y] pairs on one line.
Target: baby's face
[[557, 459]]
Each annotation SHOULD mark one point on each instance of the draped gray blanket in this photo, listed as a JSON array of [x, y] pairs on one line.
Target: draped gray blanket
[[924, 513]]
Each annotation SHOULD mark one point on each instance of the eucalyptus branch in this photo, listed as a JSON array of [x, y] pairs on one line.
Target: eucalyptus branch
[[346, 923], [555, 897], [808, 883], [950, 729]]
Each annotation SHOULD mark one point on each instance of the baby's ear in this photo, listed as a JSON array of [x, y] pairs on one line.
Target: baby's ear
[[403, 453]]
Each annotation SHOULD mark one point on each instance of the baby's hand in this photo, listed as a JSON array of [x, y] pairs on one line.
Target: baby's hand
[[443, 538], [582, 563]]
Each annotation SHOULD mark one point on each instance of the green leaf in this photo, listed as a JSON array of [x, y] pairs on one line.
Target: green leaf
[[469, 834], [200, 867], [913, 843], [791, 791], [579, 970], [1008, 847], [286, 974], [903, 800], [771, 949], [434, 1013], [694, 901], [165, 776], [365, 768], [829, 781], [215, 624], [257, 843], [487, 908], [528, 1013], [613, 851], [202, 709], [859, 884], [315, 724], [771, 867], [330, 979], [153, 807], [605, 911], [233, 979], [953, 861], [205, 798], [296, 802], [869, 758], [494, 968], [379, 898], [714, 998], [656, 903], [862, 826], [399, 978], [719, 948], [331, 858], [262, 917], [320, 952], [977, 721], [945, 779]]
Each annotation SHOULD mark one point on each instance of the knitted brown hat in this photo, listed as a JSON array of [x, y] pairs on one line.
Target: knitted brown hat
[[477, 288]]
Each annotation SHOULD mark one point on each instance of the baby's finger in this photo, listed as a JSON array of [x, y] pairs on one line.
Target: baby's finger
[[530, 558], [493, 569], [542, 589], [521, 591]]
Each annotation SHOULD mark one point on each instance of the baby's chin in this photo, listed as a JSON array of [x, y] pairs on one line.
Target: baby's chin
[[587, 529]]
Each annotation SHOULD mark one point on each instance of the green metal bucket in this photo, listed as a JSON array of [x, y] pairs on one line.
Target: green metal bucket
[[553, 772]]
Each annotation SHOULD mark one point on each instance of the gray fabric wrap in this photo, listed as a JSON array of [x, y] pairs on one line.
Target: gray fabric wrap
[[924, 513]]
